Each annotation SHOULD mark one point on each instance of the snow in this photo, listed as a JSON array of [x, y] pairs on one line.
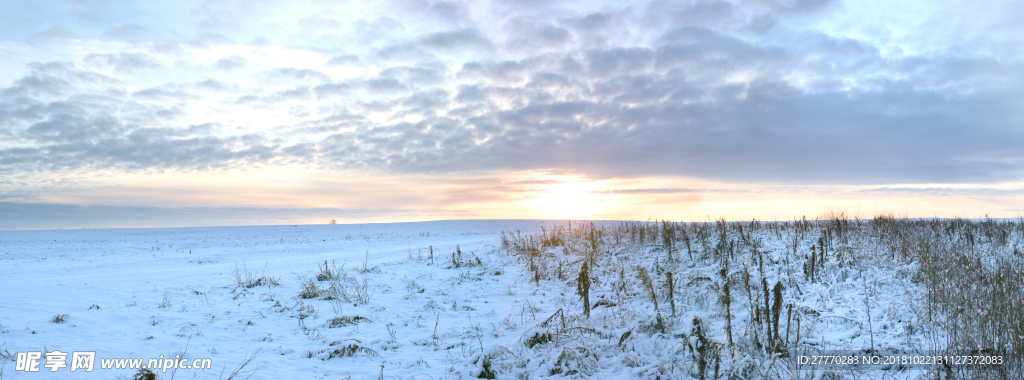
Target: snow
[[127, 273], [498, 297]]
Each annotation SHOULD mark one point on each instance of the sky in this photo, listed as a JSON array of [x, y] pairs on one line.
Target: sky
[[191, 113]]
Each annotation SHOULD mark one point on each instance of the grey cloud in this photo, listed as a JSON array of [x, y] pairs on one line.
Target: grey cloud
[[293, 94], [392, 80], [731, 138], [230, 63], [212, 85], [344, 59], [293, 74], [329, 124], [25, 215], [376, 30], [699, 12], [823, 45], [761, 23], [592, 22], [297, 93], [206, 39], [528, 33], [129, 32], [405, 52], [244, 99], [692, 91], [474, 116], [328, 89], [605, 29], [95, 132], [943, 191], [451, 12], [159, 94], [457, 40], [500, 72], [796, 6], [129, 112], [169, 113], [420, 75], [703, 41], [757, 15], [55, 32], [28, 109], [551, 34], [63, 128], [424, 103], [168, 47], [605, 62], [650, 191], [384, 85], [55, 79], [528, 5], [38, 85], [469, 93], [123, 62], [670, 191], [315, 22], [191, 130], [93, 10], [429, 145]]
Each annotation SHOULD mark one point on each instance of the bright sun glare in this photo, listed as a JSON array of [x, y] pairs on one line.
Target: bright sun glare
[[569, 198]]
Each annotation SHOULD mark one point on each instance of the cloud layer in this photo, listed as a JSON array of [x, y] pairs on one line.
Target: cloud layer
[[14, 215], [745, 91]]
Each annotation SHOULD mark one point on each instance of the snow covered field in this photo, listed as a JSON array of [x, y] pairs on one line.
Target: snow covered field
[[129, 273], [504, 299]]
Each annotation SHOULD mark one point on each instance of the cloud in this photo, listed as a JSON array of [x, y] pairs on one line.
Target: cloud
[[615, 61], [55, 32], [796, 6], [158, 94], [65, 128], [70, 143], [229, 63], [344, 59], [529, 33], [384, 85], [367, 32], [211, 85], [289, 74], [328, 89], [670, 191], [651, 191], [38, 85], [448, 11], [421, 75], [24, 215], [123, 62], [592, 22], [314, 22], [129, 32], [464, 39], [944, 191], [753, 91]]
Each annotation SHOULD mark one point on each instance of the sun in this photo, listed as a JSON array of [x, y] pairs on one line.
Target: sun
[[568, 198]]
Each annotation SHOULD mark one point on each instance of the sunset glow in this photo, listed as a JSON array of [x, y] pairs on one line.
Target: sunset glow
[[218, 112]]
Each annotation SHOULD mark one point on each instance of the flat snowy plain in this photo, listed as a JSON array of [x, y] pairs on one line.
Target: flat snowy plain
[[128, 273], [502, 298]]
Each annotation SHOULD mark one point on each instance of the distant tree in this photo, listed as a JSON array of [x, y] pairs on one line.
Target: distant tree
[[332, 222]]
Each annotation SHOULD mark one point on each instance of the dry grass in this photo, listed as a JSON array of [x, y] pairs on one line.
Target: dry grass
[[971, 271]]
